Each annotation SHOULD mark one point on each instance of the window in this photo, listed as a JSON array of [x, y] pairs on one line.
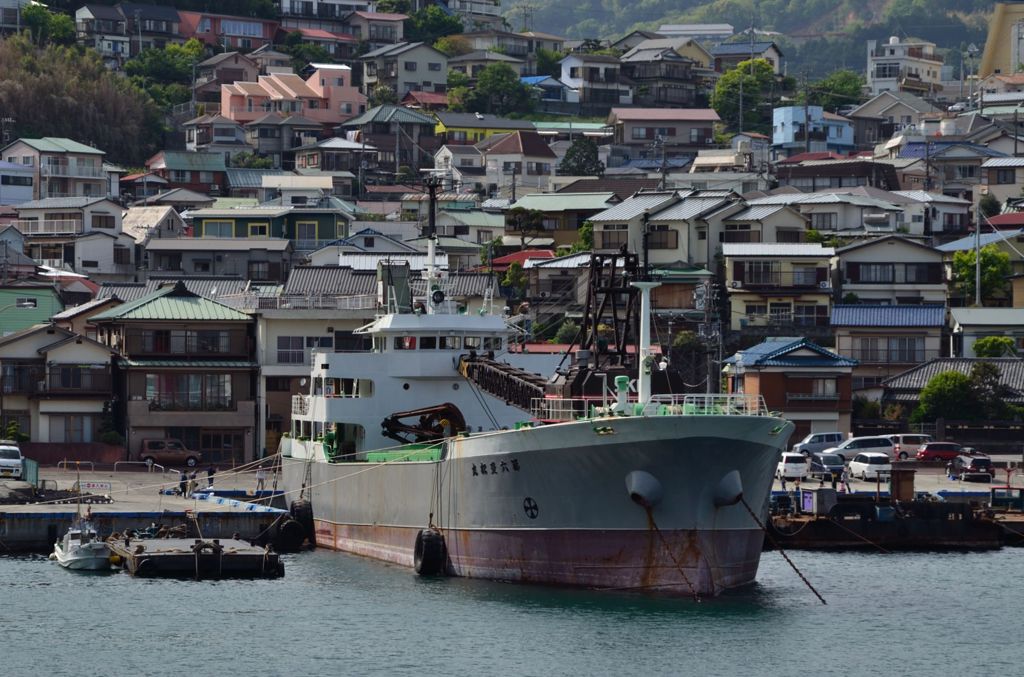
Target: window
[[762, 272], [259, 270], [325, 342], [450, 343], [409, 65], [756, 310], [805, 314], [405, 343], [695, 135], [180, 176], [218, 228], [492, 343], [434, 66], [122, 255], [825, 220], [206, 177], [189, 392], [279, 384], [16, 180], [72, 427], [201, 265], [640, 133], [876, 272], [259, 230], [90, 264], [102, 220], [1003, 176], [824, 387], [26, 302], [428, 343], [305, 230], [290, 350], [252, 29]]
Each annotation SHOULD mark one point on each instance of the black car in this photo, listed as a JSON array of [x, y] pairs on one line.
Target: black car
[[822, 464], [964, 466]]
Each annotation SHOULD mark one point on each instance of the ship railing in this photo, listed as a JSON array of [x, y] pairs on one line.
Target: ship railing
[[300, 405], [554, 409], [724, 405]]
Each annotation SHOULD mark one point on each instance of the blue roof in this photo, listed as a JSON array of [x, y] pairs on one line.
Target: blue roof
[[777, 352], [670, 163], [533, 79], [966, 243], [916, 149], [888, 316]]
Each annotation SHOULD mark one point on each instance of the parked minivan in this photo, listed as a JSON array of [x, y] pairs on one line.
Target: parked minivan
[[906, 445], [857, 445], [169, 452], [817, 442], [791, 466], [12, 464]]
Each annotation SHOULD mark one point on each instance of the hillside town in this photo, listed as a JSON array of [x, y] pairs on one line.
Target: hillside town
[[830, 251]]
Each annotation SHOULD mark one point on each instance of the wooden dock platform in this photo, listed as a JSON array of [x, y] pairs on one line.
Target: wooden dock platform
[[196, 558]]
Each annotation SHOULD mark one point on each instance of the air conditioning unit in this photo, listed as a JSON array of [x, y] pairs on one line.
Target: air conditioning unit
[[736, 284], [710, 140], [824, 284]]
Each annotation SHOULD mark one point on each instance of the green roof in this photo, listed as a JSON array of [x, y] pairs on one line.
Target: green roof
[[477, 218], [57, 144], [565, 202], [173, 302], [185, 160]]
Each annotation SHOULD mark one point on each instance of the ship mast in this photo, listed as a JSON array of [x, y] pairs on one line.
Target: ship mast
[[432, 183]]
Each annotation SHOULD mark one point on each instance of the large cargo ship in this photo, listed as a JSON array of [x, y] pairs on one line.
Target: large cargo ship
[[618, 490]]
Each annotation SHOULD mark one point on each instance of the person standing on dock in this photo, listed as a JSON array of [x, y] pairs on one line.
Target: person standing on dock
[[210, 472], [261, 478], [845, 480], [182, 482], [193, 483]]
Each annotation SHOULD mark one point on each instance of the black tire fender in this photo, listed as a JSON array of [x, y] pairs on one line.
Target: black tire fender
[[430, 555]]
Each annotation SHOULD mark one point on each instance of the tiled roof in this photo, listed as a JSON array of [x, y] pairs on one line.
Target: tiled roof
[[741, 48], [173, 302], [60, 203], [208, 286], [984, 239], [251, 178], [917, 149], [756, 213], [908, 385], [888, 316], [1003, 162], [480, 122], [336, 280], [104, 12], [521, 256], [209, 162], [622, 188], [390, 113], [459, 284], [925, 196], [563, 202], [1008, 219], [427, 98], [75, 311], [634, 206], [57, 144], [778, 352], [476, 217], [528, 143], [772, 249]]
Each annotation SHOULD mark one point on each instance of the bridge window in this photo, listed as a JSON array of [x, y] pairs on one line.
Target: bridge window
[[473, 343], [428, 343], [405, 343], [492, 343], [451, 343]]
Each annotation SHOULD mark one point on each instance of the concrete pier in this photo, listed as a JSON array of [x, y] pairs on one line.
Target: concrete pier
[[136, 503]]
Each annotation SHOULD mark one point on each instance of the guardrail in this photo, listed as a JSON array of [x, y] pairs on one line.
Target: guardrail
[[66, 463], [150, 466]]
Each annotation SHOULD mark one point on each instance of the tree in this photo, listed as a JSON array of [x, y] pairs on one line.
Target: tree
[[841, 88], [303, 52], [548, 62], [947, 395], [430, 24], [995, 346], [498, 91], [166, 74], [995, 268], [584, 238], [526, 222], [382, 95], [989, 205], [251, 161], [988, 391], [515, 280], [453, 45], [393, 6], [567, 332], [726, 97], [581, 159]]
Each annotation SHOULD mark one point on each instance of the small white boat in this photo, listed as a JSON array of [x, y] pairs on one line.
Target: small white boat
[[81, 549]]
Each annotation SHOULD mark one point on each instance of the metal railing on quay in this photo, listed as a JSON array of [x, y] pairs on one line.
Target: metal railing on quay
[[65, 464], [150, 466]]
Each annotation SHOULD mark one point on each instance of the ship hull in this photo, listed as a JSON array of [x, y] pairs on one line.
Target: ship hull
[[550, 504]]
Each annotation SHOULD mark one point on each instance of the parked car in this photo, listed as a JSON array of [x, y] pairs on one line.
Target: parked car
[[12, 464], [939, 451], [791, 466], [966, 465], [871, 465], [958, 107], [823, 464], [817, 442], [906, 444], [169, 452], [856, 445]]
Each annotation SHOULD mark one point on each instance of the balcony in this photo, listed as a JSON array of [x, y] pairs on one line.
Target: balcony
[[78, 381], [185, 345], [310, 302], [815, 401], [20, 379], [50, 226], [187, 402], [902, 356], [71, 170], [300, 405], [799, 280]]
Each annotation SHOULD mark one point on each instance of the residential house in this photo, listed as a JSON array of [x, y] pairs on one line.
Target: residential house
[[336, 155], [471, 128], [905, 389], [839, 211], [472, 63], [904, 66], [520, 159], [970, 324], [328, 15], [308, 227], [267, 60], [61, 167], [766, 223], [147, 223], [621, 187], [199, 172], [376, 29], [662, 77], [877, 119], [150, 26], [728, 55], [550, 93], [887, 340], [953, 168], [449, 156], [595, 83], [756, 146], [56, 384], [78, 319], [81, 234], [326, 96], [891, 270], [479, 14], [256, 259], [1002, 178], [564, 213], [277, 136], [222, 69], [27, 303], [471, 225], [798, 129], [935, 214], [187, 370], [14, 264], [1008, 241], [181, 199], [245, 186], [516, 45], [224, 32], [632, 39], [703, 61], [838, 173], [651, 133], [215, 134], [405, 67], [337, 45], [428, 101], [10, 15], [776, 288], [16, 182], [104, 29], [142, 186], [394, 128], [808, 384]]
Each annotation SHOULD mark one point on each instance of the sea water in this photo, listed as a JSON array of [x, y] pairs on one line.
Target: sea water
[[337, 614]]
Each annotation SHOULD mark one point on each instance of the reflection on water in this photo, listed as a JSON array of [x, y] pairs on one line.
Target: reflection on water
[[339, 614]]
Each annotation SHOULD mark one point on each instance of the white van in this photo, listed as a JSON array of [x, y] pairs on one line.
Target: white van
[[858, 445], [817, 442], [791, 466], [12, 464]]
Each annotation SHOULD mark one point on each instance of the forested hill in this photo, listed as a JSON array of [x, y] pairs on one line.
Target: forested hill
[[818, 36]]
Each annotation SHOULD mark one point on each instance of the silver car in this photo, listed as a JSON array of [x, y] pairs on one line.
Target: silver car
[[818, 442]]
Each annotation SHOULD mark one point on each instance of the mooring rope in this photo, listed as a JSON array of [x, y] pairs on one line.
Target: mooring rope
[[782, 552], [672, 556]]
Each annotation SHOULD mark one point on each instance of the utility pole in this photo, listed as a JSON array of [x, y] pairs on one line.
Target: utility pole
[[807, 117], [138, 26], [977, 261]]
